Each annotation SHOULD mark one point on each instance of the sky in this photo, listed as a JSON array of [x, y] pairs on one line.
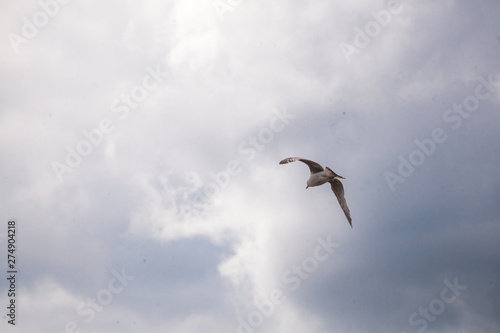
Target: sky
[[140, 180]]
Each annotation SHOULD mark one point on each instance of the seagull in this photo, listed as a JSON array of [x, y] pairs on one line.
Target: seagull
[[319, 176]]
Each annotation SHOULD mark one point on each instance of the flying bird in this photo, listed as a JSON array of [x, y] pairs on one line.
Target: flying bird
[[319, 176]]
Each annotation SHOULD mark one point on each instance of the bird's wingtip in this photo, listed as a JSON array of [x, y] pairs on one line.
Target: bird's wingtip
[[287, 160]]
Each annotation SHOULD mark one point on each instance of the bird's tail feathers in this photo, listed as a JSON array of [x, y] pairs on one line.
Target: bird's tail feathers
[[330, 173]]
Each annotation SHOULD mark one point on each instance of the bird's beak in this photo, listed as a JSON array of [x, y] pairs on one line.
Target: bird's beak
[[307, 186], [340, 177]]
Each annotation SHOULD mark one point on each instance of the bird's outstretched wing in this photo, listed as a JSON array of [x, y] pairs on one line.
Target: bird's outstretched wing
[[313, 166], [338, 189]]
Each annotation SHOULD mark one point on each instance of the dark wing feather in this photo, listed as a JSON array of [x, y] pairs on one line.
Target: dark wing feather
[[313, 166], [338, 189]]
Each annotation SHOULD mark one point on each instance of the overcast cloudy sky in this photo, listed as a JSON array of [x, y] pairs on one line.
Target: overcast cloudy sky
[[140, 144]]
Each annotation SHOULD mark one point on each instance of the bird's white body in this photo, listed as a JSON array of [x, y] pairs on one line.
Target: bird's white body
[[320, 178]]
